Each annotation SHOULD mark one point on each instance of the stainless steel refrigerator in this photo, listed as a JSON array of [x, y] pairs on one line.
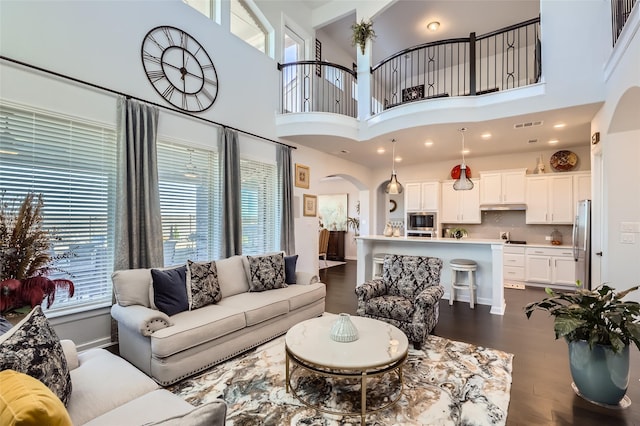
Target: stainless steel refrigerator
[[582, 242]]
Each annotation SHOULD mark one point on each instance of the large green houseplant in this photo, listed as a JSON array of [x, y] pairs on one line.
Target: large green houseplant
[[599, 327], [26, 260], [362, 32]]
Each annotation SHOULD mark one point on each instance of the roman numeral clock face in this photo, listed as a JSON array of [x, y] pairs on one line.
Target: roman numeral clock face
[[179, 69]]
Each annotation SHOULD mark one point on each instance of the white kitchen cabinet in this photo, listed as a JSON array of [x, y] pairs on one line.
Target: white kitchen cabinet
[[503, 187], [513, 264], [581, 188], [550, 266], [422, 196], [550, 199], [460, 206]]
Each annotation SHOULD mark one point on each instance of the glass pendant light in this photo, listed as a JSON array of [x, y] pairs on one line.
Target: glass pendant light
[[393, 187], [463, 183]]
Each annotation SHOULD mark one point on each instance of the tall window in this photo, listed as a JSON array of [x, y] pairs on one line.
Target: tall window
[[206, 7], [189, 203], [260, 207], [72, 163], [246, 24]]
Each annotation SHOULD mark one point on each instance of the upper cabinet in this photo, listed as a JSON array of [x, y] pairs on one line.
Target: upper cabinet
[[551, 199], [422, 196], [460, 206], [503, 187]]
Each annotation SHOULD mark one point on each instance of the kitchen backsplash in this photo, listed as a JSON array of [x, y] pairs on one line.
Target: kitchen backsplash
[[493, 222]]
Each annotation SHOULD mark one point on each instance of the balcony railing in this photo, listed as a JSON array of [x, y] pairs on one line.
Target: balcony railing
[[500, 60], [318, 86], [620, 11]]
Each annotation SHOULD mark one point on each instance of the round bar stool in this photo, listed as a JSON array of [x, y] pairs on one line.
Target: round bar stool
[[378, 265], [463, 265]]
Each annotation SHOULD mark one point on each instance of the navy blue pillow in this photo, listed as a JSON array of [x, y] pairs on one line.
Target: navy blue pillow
[[290, 269], [170, 290]]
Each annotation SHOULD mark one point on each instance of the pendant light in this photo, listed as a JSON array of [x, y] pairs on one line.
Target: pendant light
[[393, 187], [463, 183]]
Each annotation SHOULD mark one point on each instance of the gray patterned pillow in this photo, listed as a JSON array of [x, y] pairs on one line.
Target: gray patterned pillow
[[32, 347], [266, 272], [202, 283]]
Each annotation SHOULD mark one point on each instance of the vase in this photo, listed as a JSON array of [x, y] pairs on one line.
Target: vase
[[343, 330], [599, 375]]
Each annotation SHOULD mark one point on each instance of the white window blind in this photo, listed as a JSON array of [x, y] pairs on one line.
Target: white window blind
[[189, 203], [260, 207], [73, 165]]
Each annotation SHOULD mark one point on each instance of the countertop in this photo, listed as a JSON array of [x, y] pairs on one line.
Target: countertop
[[465, 240]]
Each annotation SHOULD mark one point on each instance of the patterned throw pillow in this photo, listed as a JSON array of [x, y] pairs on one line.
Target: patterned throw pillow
[[202, 283], [32, 347], [266, 272]]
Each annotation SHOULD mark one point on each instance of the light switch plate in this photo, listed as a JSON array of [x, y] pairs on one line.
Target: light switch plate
[[627, 238], [629, 226]]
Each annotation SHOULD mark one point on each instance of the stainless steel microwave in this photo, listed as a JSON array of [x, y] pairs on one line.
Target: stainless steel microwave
[[422, 221]]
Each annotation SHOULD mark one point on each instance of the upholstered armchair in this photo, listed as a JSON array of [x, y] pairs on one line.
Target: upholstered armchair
[[407, 296]]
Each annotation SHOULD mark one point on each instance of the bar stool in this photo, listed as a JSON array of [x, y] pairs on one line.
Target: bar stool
[[463, 265], [378, 265]]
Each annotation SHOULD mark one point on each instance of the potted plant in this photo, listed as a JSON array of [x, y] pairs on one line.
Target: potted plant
[[599, 327], [25, 257], [362, 32]]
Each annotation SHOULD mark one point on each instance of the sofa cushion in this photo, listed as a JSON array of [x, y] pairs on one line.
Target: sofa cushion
[[290, 269], [389, 306], [149, 408], [231, 276], [32, 347], [27, 401], [194, 328], [303, 295], [170, 290], [202, 284], [102, 382], [266, 272], [212, 414], [258, 307], [131, 286]]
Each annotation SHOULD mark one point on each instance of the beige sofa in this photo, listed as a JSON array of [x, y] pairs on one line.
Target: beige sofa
[[107, 391], [169, 349]]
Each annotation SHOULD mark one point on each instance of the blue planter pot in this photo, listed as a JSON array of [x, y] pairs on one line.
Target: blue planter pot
[[600, 375]]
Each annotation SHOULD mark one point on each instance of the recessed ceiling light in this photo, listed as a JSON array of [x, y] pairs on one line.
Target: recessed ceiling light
[[553, 141], [428, 143], [398, 159], [559, 126], [380, 151], [465, 151], [485, 135], [433, 25]]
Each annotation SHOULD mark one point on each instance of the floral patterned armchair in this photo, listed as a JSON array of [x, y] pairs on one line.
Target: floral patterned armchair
[[407, 296]]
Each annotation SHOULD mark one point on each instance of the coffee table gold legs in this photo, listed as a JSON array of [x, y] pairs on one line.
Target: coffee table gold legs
[[363, 397]]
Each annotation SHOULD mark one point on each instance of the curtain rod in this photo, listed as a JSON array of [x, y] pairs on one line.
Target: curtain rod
[[106, 89]]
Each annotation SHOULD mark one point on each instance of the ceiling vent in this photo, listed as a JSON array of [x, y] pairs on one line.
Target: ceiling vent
[[532, 141], [527, 124]]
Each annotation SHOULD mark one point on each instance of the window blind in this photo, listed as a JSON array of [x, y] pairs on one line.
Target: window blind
[[260, 207], [73, 165]]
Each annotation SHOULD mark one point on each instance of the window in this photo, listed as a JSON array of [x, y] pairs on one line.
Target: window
[[248, 25], [206, 7], [189, 203], [72, 163], [260, 207]]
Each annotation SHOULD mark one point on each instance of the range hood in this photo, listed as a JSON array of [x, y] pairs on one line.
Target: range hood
[[489, 207]]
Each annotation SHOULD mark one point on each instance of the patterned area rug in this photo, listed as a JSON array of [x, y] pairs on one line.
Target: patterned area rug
[[446, 383]]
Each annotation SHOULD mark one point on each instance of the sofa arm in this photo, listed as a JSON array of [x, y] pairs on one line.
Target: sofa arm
[[140, 318], [430, 296], [306, 278], [371, 289], [70, 353]]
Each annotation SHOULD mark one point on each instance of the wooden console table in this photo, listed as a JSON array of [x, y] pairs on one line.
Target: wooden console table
[[335, 251]]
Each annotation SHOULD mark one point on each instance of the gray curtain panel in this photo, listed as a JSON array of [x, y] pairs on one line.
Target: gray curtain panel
[[138, 237], [231, 206], [287, 238]]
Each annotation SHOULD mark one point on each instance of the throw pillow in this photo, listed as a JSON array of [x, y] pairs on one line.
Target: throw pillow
[[266, 272], [170, 290], [290, 269], [202, 282], [32, 347], [27, 401]]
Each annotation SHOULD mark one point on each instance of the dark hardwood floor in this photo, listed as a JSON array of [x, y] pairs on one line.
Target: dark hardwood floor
[[541, 391]]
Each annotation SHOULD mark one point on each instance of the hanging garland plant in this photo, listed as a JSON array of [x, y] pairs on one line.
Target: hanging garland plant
[[362, 32]]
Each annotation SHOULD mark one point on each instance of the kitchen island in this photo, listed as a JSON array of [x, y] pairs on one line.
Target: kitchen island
[[486, 253]]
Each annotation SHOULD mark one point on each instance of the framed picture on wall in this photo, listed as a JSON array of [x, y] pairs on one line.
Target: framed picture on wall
[[310, 205], [302, 176]]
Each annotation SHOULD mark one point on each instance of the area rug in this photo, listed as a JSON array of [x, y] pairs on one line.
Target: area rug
[[447, 383], [330, 264]]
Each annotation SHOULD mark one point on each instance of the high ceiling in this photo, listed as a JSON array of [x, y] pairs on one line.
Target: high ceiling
[[402, 25]]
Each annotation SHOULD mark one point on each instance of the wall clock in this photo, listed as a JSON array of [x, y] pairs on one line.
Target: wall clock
[[179, 69]]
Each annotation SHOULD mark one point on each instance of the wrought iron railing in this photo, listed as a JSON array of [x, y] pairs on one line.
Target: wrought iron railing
[[620, 11], [500, 60], [318, 86]]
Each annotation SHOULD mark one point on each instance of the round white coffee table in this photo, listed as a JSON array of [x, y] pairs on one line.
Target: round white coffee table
[[380, 349]]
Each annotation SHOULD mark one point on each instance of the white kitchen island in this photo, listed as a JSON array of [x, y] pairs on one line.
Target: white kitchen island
[[486, 253]]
